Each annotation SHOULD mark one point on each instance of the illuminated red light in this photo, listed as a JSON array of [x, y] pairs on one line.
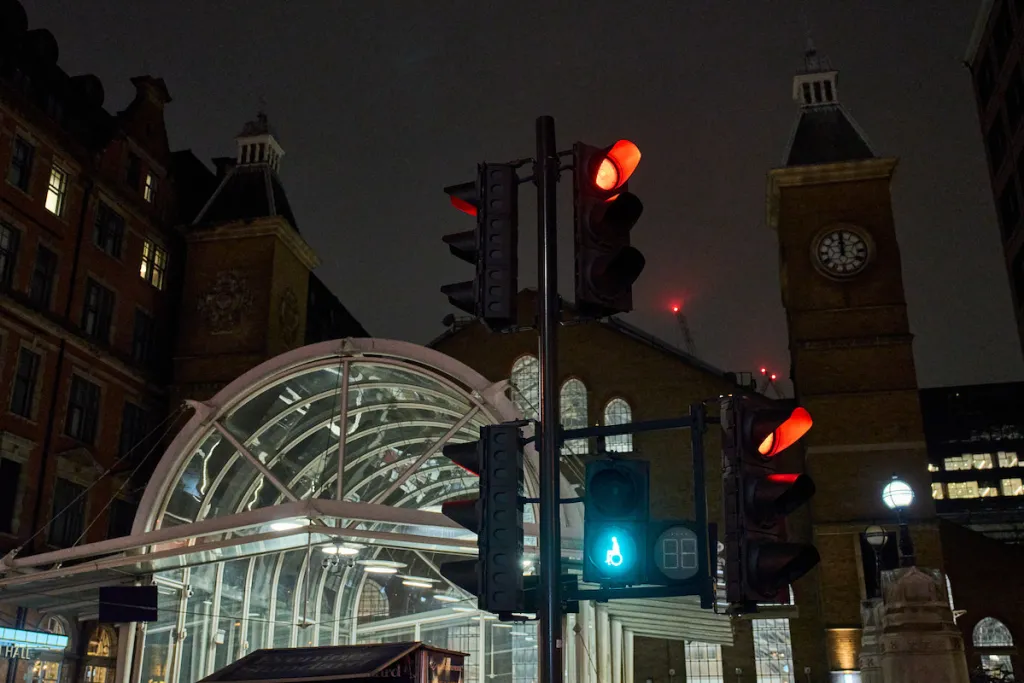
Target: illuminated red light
[[783, 478], [764, 371], [787, 433], [675, 308], [463, 206], [774, 376], [617, 166]]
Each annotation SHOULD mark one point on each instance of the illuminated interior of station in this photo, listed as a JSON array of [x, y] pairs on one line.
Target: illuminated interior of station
[[300, 506]]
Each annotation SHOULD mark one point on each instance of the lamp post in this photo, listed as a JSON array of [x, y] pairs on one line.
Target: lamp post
[[876, 538], [897, 495]]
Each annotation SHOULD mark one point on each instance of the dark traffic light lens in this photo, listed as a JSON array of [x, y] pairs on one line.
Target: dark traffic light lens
[[613, 493]]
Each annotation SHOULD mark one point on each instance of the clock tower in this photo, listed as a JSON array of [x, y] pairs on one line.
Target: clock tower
[[852, 360]]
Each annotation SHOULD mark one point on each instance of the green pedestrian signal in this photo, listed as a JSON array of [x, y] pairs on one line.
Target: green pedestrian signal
[[615, 522]]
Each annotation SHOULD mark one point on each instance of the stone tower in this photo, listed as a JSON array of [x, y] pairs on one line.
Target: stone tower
[[852, 361], [248, 271]]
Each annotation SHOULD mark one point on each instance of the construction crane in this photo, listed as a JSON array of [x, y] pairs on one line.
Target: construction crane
[[684, 327]]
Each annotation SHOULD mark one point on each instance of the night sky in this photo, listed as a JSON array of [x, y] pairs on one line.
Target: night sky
[[380, 104]]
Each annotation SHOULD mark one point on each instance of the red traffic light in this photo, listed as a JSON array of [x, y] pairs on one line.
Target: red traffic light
[[617, 165], [464, 197], [773, 439]]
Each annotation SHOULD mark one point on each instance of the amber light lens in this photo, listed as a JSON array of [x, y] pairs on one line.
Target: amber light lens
[[787, 433]]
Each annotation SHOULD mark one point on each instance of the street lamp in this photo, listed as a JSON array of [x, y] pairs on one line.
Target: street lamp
[[897, 495], [876, 538]]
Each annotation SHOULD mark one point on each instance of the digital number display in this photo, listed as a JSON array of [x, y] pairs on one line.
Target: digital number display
[[675, 553]]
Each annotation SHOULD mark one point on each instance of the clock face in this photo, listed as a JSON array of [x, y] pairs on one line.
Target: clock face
[[842, 252]]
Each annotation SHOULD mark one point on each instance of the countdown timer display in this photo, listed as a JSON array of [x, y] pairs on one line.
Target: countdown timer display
[[675, 553]]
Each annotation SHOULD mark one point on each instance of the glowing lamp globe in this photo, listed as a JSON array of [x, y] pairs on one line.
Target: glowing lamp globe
[[897, 494]]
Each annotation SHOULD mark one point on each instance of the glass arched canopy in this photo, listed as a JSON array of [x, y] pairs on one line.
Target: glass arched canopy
[[300, 506], [284, 433]]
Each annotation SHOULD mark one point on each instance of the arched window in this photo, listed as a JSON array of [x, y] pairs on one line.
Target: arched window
[[994, 642], [618, 412], [573, 408], [991, 632], [525, 381], [373, 602]]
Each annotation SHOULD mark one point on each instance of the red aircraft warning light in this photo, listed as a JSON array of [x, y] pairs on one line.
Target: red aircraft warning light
[[675, 308]]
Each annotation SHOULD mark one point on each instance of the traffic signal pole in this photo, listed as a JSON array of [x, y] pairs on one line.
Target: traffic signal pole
[[545, 177]]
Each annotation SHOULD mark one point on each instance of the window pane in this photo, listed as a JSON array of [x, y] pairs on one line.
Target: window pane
[[937, 492], [56, 191], [703, 663], [618, 412], [1012, 487], [20, 171], [962, 489], [41, 287], [9, 238], [525, 386], [23, 392], [10, 477], [67, 514], [1008, 459], [982, 461], [83, 410], [773, 652], [573, 409]]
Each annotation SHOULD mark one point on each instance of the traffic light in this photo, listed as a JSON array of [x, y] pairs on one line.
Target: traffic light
[[606, 264], [616, 510], [496, 517], [760, 563], [492, 246]]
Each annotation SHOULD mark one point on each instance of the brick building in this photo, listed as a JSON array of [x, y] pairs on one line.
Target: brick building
[[131, 277], [852, 367], [994, 57]]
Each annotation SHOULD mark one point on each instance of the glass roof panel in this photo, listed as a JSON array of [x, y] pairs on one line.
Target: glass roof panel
[[397, 410]]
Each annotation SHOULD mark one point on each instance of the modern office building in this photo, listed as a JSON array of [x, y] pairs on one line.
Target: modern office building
[[975, 438], [994, 57]]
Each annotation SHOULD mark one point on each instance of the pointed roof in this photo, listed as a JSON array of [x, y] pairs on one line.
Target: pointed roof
[[250, 187], [824, 132]]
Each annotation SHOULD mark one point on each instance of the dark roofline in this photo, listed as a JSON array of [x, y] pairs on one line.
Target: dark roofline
[[634, 332], [620, 326]]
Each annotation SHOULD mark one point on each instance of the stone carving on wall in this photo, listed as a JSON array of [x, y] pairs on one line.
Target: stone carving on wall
[[288, 314], [225, 304]]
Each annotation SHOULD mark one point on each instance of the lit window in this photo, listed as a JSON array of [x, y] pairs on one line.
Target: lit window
[[1012, 487], [957, 463], [154, 264], [937, 492], [57, 191], [988, 490], [1008, 459], [932, 468], [149, 189], [991, 634], [618, 412], [525, 383], [962, 489], [982, 461], [773, 651], [573, 407], [704, 662]]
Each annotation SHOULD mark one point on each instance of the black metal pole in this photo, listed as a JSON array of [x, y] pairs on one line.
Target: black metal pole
[[545, 176], [906, 544], [700, 501]]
